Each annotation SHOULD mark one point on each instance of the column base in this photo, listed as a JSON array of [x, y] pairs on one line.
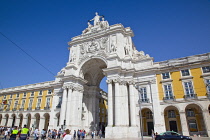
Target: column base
[[122, 132]]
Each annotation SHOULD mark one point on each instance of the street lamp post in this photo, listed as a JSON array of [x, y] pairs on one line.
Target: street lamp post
[[140, 114]]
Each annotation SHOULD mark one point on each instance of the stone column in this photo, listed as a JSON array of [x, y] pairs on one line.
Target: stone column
[[123, 99], [10, 121], [53, 113], [41, 123], [3, 121], [63, 106], [33, 123], [117, 103], [132, 104], [68, 111], [206, 118], [17, 121], [184, 124], [110, 103], [24, 120]]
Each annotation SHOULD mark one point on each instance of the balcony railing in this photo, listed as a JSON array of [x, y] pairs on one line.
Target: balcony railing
[[46, 108], [1, 109], [29, 108], [21, 109], [8, 109], [190, 96], [169, 98], [37, 108]]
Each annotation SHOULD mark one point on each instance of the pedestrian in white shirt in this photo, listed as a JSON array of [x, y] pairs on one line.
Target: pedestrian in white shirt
[[68, 135]]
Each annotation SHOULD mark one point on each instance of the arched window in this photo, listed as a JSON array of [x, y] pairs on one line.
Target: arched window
[[149, 115], [190, 113]]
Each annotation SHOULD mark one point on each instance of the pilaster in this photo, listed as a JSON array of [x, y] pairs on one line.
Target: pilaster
[[110, 103], [183, 119]]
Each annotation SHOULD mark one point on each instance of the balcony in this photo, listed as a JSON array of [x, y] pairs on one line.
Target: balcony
[[21, 109], [58, 106], [46, 108], [190, 96], [37, 108], [1, 109], [8, 109], [167, 98], [29, 108]]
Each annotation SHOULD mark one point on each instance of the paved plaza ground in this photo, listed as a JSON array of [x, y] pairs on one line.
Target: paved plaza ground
[[145, 138]]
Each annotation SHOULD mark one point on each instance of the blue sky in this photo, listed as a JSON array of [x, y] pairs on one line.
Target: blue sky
[[164, 29]]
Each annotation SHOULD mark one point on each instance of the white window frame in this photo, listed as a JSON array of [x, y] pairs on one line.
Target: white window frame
[[48, 102], [185, 72], [166, 92], [5, 96], [143, 93], [32, 93], [49, 92], [18, 95], [162, 74], [171, 114], [40, 93], [191, 94], [30, 103], [39, 101], [24, 94], [23, 104], [204, 70], [207, 84], [15, 104], [10, 96]]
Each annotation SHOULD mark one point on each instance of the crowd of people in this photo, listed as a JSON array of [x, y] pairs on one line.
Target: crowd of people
[[13, 133]]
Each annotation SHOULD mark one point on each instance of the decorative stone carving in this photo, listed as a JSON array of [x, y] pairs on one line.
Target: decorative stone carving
[[113, 47], [140, 55], [116, 80], [73, 56], [94, 46], [61, 72], [82, 49], [88, 29], [104, 42], [104, 24]]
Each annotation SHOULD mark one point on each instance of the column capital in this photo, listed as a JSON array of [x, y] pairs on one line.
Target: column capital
[[121, 82], [116, 80], [131, 82], [109, 81]]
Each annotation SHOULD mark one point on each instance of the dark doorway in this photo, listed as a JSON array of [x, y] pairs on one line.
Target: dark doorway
[[150, 127], [173, 126]]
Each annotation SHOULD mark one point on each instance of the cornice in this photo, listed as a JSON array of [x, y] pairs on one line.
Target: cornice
[[30, 87]]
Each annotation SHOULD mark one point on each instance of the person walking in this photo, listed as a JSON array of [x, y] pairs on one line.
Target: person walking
[[5, 134], [100, 133], [14, 133], [24, 134], [78, 134], [43, 134], [75, 133], [68, 135]]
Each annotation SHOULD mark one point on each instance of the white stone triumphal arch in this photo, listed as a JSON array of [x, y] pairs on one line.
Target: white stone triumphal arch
[[104, 50]]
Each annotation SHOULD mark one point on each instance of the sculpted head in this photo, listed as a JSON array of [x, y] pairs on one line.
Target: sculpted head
[[96, 13]]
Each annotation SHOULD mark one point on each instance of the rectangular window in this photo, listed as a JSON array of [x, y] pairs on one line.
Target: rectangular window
[[143, 92], [24, 94], [190, 113], [185, 72], [16, 103], [206, 69], [49, 91], [18, 95], [23, 104], [30, 103], [40, 92], [11, 96], [102, 110], [168, 91], [208, 85], [189, 89], [166, 75], [193, 126], [39, 103], [171, 114], [5, 96], [48, 102], [32, 93]]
